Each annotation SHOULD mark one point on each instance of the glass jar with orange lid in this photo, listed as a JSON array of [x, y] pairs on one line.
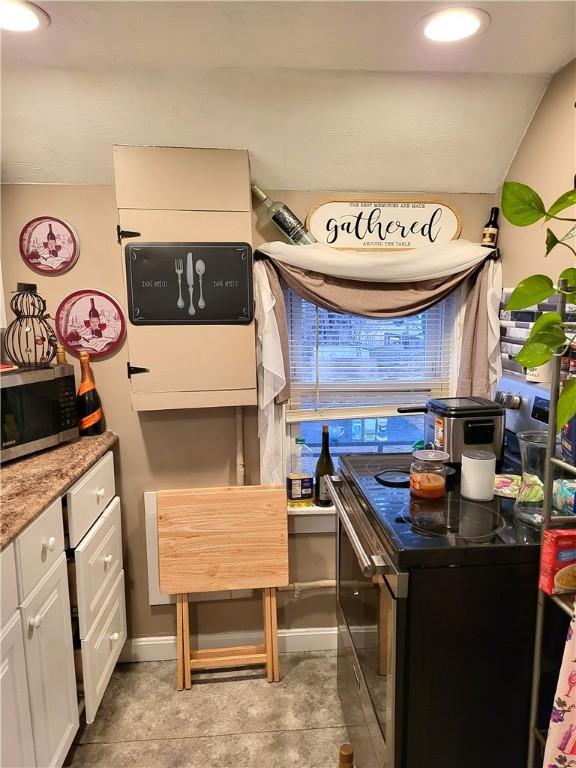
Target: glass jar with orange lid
[[428, 474]]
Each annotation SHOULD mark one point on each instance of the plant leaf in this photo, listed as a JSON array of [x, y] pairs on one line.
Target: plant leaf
[[545, 321], [564, 201], [570, 276], [530, 291], [521, 205], [551, 241], [533, 354], [551, 337], [566, 403], [570, 234]]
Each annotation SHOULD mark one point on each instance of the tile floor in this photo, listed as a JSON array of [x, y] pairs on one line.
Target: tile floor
[[231, 719]]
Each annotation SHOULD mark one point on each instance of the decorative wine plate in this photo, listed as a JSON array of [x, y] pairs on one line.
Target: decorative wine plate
[[90, 321], [49, 246]]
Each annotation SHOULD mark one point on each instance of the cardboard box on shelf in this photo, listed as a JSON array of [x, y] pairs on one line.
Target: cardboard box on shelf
[[558, 562]]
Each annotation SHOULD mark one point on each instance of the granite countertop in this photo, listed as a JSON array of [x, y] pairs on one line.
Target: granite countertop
[[29, 485]]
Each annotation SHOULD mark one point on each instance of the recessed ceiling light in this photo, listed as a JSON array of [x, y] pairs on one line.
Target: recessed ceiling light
[[453, 24], [22, 16]]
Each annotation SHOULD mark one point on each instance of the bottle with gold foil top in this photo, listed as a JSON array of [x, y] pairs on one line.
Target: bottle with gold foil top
[[88, 401], [61, 358]]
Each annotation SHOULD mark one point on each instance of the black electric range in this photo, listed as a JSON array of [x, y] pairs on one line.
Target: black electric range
[[437, 532], [436, 607]]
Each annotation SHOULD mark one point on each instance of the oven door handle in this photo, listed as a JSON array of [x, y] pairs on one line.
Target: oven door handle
[[366, 562]]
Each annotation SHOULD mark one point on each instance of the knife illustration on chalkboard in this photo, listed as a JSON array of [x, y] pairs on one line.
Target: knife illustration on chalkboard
[[190, 282]]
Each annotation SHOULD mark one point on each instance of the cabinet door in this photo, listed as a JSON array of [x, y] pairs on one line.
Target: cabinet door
[[215, 363], [50, 666], [17, 747]]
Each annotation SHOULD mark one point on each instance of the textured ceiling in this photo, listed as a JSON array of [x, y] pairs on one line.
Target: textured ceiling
[[325, 95]]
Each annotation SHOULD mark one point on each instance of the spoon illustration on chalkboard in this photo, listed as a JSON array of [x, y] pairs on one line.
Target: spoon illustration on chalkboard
[[200, 269], [190, 282]]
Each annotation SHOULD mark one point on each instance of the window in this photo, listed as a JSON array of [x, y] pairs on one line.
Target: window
[[353, 372]]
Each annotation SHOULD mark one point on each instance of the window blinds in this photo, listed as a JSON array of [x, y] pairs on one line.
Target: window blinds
[[341, 361]]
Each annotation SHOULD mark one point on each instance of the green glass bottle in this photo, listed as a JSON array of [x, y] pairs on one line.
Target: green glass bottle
[[324, 468], [284, 219]]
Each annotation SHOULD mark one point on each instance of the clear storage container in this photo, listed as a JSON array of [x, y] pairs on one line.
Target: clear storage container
[[300, 478]]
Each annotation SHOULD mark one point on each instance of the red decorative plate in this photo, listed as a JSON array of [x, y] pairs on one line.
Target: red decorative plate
[[90, 321], [49, 246]]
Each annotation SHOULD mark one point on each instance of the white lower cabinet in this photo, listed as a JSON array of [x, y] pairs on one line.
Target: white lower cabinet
[[38, 677], [50, 666], [17, 748]]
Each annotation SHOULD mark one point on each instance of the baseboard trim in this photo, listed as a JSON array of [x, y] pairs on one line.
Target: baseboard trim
[[163, 648]]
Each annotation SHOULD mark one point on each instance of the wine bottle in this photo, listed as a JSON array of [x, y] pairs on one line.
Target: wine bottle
[[88, 401], [51, 238], [490, 231], [93, 316], [284, 219], [324, 468]]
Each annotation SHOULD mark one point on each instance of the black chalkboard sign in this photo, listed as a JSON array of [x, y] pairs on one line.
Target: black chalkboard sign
[[189, 283]]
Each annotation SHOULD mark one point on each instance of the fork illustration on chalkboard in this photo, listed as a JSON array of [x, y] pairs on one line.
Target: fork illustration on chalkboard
[[179, 269]]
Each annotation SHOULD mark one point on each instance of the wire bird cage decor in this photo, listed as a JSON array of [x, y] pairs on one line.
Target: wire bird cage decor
[[30, 340]]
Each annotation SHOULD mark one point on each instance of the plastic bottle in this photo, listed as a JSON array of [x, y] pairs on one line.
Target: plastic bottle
[[300, 478]]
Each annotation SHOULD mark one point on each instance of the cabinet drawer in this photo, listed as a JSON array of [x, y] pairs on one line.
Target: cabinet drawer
[[100, 650], [89, 497], [38, 548], [8, 584], [97, 563]]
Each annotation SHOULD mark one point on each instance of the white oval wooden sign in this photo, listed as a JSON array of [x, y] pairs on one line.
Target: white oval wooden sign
[[383, 225]]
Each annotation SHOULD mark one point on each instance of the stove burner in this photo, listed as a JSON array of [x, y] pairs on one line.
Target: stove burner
[[374, 464], [393, 478], [454, 517]]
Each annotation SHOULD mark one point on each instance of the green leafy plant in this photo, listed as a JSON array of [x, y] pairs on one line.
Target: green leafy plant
[[522, 206]]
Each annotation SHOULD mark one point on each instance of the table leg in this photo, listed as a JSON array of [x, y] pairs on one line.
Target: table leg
[[274, 631], [267, 603], [186, 645], [179, 645]]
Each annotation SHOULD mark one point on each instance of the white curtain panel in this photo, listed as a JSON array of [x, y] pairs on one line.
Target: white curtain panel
[[271, 379], [494, 298]]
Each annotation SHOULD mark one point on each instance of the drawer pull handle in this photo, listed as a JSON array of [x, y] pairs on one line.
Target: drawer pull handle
[[50, 545], [99, 493], [114, 636], [107, 559], [35, 621]]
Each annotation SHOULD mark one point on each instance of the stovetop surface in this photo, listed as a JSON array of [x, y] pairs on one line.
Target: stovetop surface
[[446, 531]]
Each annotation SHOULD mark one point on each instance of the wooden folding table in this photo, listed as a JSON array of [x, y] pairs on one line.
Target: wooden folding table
[[214, 539]]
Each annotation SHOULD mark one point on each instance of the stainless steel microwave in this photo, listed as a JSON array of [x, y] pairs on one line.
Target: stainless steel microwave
[[38, 410]]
